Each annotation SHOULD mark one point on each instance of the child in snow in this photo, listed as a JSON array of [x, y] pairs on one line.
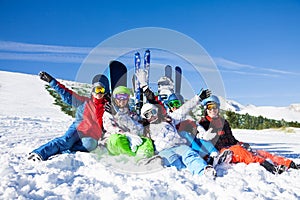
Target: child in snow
[[124, 132], [168, 143], [187, 127], [87, 129], [218, 131]]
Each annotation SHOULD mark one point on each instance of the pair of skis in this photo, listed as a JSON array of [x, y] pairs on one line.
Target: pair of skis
[[138, 91], [118, 77], [178, 77]]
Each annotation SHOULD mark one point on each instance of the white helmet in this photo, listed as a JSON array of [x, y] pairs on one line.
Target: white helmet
[[147, 107]]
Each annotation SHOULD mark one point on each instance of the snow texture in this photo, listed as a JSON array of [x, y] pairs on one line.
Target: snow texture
[[29, 119]]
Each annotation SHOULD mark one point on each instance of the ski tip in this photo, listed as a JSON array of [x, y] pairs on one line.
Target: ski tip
[[177, 68]]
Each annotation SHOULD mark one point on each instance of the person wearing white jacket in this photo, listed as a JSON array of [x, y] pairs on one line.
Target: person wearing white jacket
[[168, 144], [124, 134]]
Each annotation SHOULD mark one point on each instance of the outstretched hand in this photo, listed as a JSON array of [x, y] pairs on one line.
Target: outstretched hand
[[203, 94], [141, 76], [45, 76]]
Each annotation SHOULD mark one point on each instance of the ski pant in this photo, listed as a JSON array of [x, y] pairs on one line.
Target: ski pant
[[69, 142], [118, 144], [203, 147], [277, 160], [183, 156], [240, 154]]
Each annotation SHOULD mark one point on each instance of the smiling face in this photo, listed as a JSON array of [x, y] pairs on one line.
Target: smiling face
[[121, 100], [212, 110], [98, 96]]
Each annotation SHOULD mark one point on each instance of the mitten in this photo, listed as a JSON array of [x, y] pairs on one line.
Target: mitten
[[205, 135], [134, 141], [203, 94], [142, 77], [45, 76]]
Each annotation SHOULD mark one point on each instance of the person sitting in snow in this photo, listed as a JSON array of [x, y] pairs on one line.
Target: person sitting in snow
[[168, 144], [187, 127], [87, 129], [218, 131], [123, 131]]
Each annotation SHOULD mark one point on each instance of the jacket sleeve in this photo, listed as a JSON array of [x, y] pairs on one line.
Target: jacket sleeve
[[151, 98], [110, 124], [67, 95], [180, 114], [121, 124], [228, 132]]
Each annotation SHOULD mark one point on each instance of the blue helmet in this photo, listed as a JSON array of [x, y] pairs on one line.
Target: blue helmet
[[212, 98], [172, 97]]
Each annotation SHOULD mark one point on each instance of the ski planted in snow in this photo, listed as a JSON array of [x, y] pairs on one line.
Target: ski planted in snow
[[168, 71], [138, 93], [118, 74], [147, 63], [178, 76]]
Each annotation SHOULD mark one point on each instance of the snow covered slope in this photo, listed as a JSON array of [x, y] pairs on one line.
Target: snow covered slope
[[28, 119]]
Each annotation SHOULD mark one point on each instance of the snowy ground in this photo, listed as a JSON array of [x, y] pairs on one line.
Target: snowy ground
[[28, 119]]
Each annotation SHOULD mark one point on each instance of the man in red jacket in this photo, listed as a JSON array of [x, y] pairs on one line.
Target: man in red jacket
[[87, 129]]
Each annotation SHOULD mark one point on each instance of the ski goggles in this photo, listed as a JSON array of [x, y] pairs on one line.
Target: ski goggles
[[211, 106], [148, 114], [99, 90], [122, 96], [174, 103]]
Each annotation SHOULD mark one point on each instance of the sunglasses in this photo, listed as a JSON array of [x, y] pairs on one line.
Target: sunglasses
[[99, 90], [122, 96], [212, 106], [174, 103], [148, 114]]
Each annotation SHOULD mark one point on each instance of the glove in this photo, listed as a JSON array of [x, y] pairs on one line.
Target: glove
[[134, 141], [141, 76], [203, 94], [205, 135], [45, 77], [247, 146], [108, 108]]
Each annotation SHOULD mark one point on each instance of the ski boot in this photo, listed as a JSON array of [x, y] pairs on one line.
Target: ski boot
[[224, 157], [210, 172], [294, 165]]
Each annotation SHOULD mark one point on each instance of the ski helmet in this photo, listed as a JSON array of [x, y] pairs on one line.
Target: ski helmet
[[101, 80], [212, 98], [173, 97], [147, 107], [121, 90]]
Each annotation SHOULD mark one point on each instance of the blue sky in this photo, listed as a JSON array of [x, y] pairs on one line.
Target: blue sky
[[255, 44]]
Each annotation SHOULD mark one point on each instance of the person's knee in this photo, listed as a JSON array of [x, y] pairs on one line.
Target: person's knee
[[89, 143]]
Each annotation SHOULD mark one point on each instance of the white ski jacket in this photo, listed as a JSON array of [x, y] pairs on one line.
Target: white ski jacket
[[164, 134], [120, 123]]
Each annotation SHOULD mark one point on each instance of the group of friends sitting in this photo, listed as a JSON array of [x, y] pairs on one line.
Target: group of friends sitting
[[162, 130]]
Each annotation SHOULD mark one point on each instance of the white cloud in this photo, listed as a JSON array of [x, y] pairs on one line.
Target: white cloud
[[231, 66]]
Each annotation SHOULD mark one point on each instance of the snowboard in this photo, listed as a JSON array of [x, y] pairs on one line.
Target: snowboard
[[118, 74]]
